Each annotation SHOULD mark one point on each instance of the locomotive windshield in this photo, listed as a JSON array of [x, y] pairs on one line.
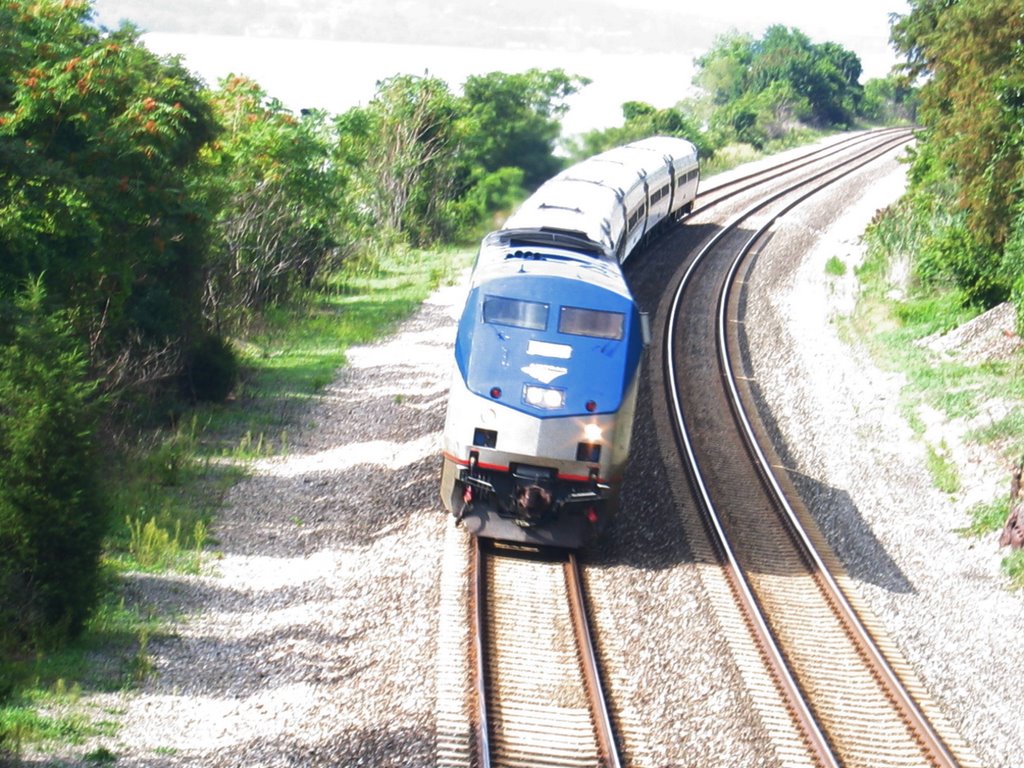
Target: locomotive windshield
[[591, 322], [532, 315]]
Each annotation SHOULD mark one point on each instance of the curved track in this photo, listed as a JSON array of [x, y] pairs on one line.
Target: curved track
[[844, 699]]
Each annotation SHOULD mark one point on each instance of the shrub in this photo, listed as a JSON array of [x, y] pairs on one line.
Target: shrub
[[954, 254], [52, 521], [211, 371], [1013, 267]]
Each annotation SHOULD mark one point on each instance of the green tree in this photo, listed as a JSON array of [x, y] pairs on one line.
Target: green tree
[[516, 120], [723, 71], [401, 152], [966, 173], [278, 200], [641, 120], [761, 89], [969, 54], [97, 140], [889, 100]]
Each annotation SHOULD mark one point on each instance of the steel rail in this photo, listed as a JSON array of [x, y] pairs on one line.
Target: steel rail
[[848, 615], [482, 725], [746, 182], [604, 743], [588, 658]]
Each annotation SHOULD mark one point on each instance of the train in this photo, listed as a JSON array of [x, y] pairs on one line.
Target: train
[[549, 346]]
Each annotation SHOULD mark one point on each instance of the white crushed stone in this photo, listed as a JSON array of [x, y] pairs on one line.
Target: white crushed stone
[[385, 454]]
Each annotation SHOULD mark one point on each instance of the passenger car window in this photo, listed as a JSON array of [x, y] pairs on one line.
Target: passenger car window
[[532, 315], [591, 322]]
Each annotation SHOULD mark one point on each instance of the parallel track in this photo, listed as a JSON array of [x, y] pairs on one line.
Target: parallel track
[[842, 694], [539, 695], [718, 191]]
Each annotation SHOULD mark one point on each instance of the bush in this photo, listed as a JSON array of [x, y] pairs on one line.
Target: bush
[[954, 254], [52, 521], [1013, 267], [212, 369]]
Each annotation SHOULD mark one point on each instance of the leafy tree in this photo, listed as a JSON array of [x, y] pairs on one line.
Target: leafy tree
[[761, 88], [723, 72], [401, 151], [968, 55], [642, 120], [97, 141], [425, 164], [516, 120], [970, 51], [889, 100], [278, 201], [825, 75]]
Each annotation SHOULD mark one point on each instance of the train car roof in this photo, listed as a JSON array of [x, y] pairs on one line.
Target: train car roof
[[672, 146], [569, 205], [599, 170], [635, 157]]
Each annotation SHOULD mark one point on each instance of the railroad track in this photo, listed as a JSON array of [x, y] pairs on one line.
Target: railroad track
[[718, 191], [828, 688], [538, 689], [845, 702]]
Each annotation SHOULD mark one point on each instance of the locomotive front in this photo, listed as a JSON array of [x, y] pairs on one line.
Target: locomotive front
[[542, 396]]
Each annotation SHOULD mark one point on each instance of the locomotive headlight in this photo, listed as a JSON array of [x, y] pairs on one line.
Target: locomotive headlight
[[543, 397], [592, 433]]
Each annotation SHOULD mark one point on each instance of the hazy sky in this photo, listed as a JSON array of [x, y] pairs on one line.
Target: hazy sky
[[346, 73], [860, 25]]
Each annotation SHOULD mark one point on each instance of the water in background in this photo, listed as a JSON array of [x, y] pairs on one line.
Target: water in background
[[335, 75]]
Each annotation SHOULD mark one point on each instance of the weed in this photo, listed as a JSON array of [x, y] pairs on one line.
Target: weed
[[252, 447], [1007, 430], [1013, 566], [151, 545], [101, 756], [21, 725], [835, 267], [199, 536], [169, 462], [142, 664], [943, 471], [986, 518]]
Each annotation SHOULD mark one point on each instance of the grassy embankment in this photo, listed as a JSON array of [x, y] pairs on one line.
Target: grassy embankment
[[169, 493], [892, 314]]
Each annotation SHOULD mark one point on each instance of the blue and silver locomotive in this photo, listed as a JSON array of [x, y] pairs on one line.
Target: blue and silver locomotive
[[548, 350]]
